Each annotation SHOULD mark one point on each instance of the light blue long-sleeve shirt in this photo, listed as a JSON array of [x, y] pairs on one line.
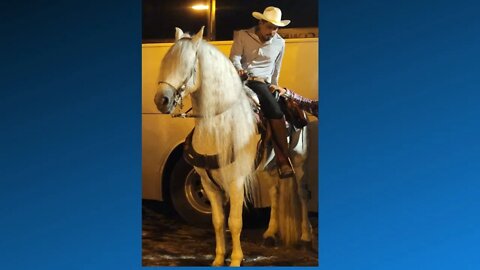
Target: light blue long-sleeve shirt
[[262, 60]]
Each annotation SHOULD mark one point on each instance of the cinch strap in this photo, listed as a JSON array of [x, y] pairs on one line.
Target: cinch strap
[[195, 159]]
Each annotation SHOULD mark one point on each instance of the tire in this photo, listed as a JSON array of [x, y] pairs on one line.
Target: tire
[[188, 197]]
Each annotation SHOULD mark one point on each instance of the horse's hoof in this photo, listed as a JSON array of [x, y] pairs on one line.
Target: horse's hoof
[[236, 263], [306, 245], [270, 241], [218, 263]]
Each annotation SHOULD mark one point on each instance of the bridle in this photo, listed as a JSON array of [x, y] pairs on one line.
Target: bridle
[[177, 96]]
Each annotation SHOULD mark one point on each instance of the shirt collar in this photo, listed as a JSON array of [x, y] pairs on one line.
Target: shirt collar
[[251, 32]]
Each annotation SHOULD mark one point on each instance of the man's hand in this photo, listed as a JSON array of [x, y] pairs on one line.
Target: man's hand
[[243, 74], [280, 90]]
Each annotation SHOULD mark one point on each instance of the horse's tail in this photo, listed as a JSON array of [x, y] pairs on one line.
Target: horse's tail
[[289, 214]]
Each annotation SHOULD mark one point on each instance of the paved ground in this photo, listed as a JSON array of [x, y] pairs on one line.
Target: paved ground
[[168, 241]]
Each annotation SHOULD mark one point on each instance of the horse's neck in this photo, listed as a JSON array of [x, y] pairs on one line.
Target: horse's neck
[[218, 79], [215, 105], [221, 103]]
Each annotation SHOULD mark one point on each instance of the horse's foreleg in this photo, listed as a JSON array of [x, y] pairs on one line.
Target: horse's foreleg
[[218, 220], [303, 194], [235, 221], [273, 223]]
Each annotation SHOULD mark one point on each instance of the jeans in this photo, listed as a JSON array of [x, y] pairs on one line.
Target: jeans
[[269, 105]]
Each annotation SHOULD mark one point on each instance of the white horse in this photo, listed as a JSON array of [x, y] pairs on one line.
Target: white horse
[[289, 199], [225, 128]]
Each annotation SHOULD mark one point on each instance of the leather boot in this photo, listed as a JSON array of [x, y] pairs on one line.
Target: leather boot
[[280, 146]]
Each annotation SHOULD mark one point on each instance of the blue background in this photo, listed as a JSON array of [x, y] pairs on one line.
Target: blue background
[[399, 151], [399, 135]]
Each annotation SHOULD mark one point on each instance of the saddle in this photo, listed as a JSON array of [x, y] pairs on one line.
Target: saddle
[[294, 117]]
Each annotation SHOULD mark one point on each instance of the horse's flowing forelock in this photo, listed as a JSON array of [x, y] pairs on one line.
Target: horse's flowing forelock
[[228, 120], [177, 62]]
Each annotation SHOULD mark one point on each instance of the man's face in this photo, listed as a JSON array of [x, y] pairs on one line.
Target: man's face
[[267, 30]]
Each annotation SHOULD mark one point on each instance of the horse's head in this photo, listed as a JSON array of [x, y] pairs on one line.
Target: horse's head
[[178, 73]]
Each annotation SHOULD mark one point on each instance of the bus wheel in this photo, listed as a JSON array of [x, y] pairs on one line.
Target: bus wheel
[[188, 196]]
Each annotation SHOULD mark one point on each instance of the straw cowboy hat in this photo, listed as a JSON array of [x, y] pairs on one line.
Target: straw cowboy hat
[[273, 15]]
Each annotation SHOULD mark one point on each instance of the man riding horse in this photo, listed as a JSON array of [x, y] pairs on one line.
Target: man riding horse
[[257, 55]]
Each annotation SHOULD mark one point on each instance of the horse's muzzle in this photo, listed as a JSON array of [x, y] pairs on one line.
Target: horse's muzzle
[[164, 100]]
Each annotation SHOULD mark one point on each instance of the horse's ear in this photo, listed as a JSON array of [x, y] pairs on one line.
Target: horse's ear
[[178, 33], [198, 36]]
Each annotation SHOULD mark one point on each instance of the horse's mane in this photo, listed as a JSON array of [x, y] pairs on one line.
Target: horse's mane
[[228, 118]]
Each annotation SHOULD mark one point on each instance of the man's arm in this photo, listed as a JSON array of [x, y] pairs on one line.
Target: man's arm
[[236, 51], [278, 65], [306, 104], [309, 105]]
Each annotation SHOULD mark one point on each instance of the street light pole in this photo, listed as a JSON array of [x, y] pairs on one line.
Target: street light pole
[[212, 8], [211, 19]]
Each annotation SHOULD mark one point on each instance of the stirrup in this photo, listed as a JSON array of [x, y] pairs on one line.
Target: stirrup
[[287, 171]]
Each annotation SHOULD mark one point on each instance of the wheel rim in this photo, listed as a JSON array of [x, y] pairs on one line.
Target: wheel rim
[[195, 193]]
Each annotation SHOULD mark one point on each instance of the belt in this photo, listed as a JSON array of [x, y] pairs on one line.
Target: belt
[[258, 79]]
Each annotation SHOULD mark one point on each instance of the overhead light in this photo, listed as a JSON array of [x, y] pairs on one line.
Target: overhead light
[[200, 7]]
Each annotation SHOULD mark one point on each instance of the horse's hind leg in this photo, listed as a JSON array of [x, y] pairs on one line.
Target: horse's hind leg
[[218, 220], [235, 220], [304, 197], [299, 156], [269, 234]]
